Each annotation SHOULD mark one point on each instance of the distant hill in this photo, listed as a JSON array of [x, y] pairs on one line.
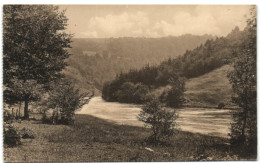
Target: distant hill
[[95, 61], [207, 57], [157, 49], [204, 59], [209, 89]]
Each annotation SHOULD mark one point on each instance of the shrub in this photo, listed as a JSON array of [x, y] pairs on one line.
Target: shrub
[[174, 97], [64, 100], [27, 133], [126, 92], [11, 136], [46, 119], [162, 122], [221, 105], [140, 93]]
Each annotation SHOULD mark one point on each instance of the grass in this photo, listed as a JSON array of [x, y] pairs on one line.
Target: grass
[[93, 139], [207, 90], [210, 89]]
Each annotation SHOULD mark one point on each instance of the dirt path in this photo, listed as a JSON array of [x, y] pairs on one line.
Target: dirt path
[[197, 120]]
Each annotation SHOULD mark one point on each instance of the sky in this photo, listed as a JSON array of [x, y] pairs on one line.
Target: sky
[[102, 21]]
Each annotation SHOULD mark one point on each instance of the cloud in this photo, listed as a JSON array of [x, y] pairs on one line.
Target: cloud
[[226, 17], [117, 25], [219, 20], [215, 20], [186, 23]]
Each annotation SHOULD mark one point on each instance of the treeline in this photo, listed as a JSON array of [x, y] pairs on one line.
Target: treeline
[[136, 86], [203, 59], [96, 61]]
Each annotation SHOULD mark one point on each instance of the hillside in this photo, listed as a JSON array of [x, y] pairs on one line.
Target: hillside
[[204, 59], [209, 89], [153, 50], [95, 61]]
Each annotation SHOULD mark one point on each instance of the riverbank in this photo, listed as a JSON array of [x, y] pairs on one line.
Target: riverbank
[[94, 139], [233, 107]]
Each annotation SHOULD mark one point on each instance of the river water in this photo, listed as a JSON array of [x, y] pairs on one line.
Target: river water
[[206, 121]]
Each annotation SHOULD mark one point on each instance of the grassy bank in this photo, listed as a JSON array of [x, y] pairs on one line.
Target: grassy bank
[[206, 91], [93, 139], [210, 89]]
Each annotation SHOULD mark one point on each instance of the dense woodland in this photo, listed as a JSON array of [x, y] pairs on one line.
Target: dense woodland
[[96, 61], [213, 54]]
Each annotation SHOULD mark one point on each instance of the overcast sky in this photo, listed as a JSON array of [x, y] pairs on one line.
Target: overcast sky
[[100, 21]]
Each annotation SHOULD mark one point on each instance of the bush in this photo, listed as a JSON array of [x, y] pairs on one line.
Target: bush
[[221, 105], [162, 122], [46, 119], [244, 143], [140, 93], [11, 136], [174, 96], [64, 100], [126, 92], [27, 133]]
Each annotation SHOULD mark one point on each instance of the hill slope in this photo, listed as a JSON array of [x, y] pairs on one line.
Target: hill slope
[[195, 63], [209, 89], [95, 61]]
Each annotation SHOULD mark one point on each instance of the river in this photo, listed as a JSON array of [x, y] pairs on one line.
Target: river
[[206, 121]]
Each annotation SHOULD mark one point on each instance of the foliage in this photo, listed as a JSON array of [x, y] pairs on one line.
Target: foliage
[[132, 93], [221, 105], [162, 122], [207, 57], [98, 60], [126, 92], [34, 49], [203, 59], [134, 86], [27, 133], [28, 90], [63, 99], [243, 80], [11, 135], [174, 96]]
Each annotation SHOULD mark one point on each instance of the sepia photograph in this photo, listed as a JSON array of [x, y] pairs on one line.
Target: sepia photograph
[[129, 83]]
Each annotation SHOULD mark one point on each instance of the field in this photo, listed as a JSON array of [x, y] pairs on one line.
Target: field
[[93, 139], [210, 89]]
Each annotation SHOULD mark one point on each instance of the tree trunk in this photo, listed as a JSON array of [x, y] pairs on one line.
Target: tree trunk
[[244, 123], [20, 109], [26, 111]]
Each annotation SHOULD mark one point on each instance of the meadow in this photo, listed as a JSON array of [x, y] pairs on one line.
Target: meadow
[[94, 139]]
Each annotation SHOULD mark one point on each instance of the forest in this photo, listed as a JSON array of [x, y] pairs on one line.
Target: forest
[[213, 54], [96, 61]]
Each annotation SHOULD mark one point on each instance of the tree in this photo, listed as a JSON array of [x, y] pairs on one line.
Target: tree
[[174, 96], [162, 122], [64, 99], [34, 47], [140, 93], [28, 90], [243, 80], [126, 92]]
